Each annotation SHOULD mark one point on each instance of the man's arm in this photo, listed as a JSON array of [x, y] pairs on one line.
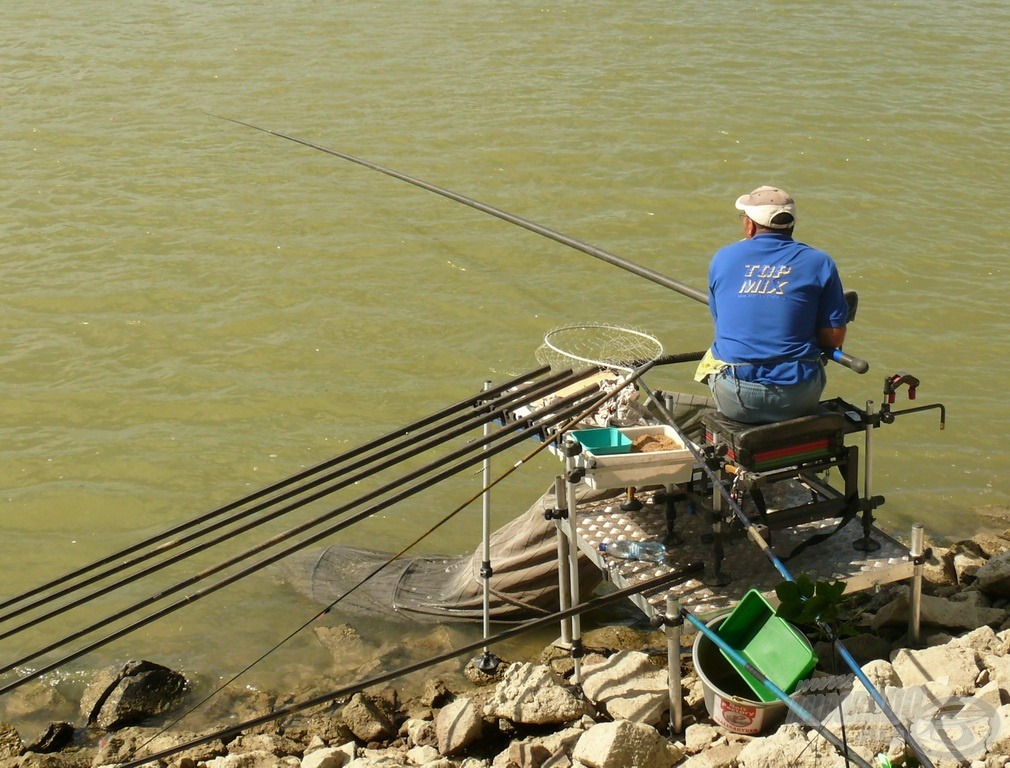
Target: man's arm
[[831, 338]]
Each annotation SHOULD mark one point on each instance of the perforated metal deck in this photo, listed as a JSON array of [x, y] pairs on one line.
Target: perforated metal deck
[[744, 563]]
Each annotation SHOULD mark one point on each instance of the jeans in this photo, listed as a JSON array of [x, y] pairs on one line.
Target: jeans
[[755, 403]]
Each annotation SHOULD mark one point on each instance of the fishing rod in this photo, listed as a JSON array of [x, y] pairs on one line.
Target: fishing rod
[[664, 360], [849, 361], [653, 585], [407, 447], [763, 545], [535, 426], [116, 557]]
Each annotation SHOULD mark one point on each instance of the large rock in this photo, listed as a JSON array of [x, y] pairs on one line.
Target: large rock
[[10, 741], [994, 577], [881, 673], [984, 641], [938, 612], [328, 757], [621, 743], [131, 693], [957, 668], [129, 743], [457, 725], [367, 719], [256, 759], [965, 557], [629, 686], [530, 694], [55, 737], [790, 745]]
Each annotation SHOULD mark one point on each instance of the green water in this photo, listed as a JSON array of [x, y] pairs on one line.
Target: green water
[[192, 310]]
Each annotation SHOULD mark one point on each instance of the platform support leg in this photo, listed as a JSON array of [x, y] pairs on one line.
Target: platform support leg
[[573, 563], [487, 662], [630, 503], [917, 554], [674, 625], [718, 578], [867, 543], [564, 578]]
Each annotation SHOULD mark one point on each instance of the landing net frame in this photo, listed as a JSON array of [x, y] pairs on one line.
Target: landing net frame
[[582, 346]]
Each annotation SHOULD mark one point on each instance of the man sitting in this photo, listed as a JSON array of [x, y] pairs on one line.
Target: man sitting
[[777, 304]]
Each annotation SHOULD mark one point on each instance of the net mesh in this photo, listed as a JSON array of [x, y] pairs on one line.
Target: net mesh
[[596, 345]]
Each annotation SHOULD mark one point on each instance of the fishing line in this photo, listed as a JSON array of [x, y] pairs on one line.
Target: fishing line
[[536, 425], [407, 447], [377, 442], [842, 358]]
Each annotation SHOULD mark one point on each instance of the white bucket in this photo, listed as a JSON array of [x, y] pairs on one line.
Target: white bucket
[[726, 692]]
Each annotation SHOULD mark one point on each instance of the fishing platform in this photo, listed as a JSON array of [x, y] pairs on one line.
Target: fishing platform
[[801, 491]]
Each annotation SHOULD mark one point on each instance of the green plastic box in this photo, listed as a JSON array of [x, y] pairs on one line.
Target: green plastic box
[[772, 645], [603, 441]]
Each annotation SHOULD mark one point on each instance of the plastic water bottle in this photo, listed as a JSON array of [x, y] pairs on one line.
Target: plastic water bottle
[[651, 550]]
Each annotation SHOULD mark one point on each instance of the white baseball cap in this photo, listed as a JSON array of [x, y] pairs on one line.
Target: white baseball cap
[[769, 206]]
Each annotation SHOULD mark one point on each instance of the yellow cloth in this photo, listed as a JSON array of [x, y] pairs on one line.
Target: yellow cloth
[[709, 364]]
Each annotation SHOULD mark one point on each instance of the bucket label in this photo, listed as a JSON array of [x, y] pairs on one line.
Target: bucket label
[[737, 717]]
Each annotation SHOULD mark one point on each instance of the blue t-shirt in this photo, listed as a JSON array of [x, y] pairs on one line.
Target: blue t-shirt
[[768, 296]]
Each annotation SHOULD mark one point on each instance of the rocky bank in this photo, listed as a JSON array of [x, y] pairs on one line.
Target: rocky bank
[[952, 692]]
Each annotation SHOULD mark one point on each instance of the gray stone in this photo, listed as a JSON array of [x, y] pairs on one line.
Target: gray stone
[[629, 686], [938, 612], [422, 755], [972, 596], [700, 736], [530, 694], [130, 693], [955, 667], [621, 743], [10, 741], [524, 754], [436, 693], [256, 759], [718, 756], [367, 720], [991, 544], [791, 746], [984, 641], [965, 558], [265, 742], [327, 757], [53, 738], [998, 742], [457, 725], [420, 733], [881, 673], [994, 576]]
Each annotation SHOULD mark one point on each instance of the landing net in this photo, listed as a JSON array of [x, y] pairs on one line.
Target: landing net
[[588, 345]]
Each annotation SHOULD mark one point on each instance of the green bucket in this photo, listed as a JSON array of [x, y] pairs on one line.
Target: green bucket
[[772, 645]]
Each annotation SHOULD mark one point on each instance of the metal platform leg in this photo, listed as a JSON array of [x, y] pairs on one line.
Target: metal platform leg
[[718, 578], [918, 557], [572, 449], [487, 662], [561, 512], [867, 543]]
